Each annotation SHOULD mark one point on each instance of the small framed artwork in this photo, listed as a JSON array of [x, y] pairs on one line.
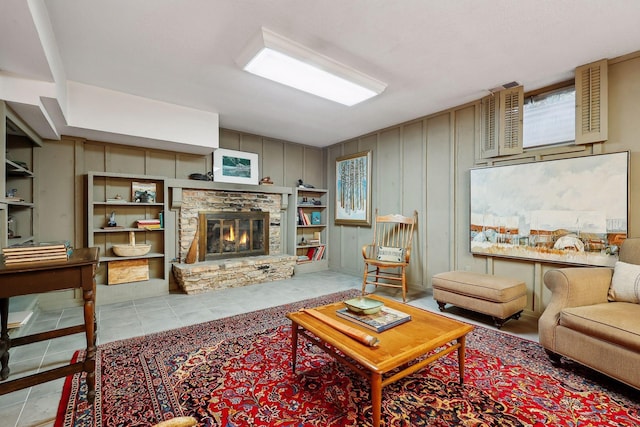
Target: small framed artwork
[[235, 166], [143, 192], [353, 189]]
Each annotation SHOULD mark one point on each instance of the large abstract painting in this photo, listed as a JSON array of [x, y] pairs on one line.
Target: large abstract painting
[[571, 211]]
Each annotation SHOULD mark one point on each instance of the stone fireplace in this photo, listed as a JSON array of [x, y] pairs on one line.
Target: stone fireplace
[[238, 234], [232, 234]]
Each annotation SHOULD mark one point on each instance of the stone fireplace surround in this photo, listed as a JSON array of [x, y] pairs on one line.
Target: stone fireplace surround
[[234, 272]]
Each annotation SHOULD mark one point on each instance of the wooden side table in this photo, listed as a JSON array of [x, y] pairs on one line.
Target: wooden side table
[[39, 277]]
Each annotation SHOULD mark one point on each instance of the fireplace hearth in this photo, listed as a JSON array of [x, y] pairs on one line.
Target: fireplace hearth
[[226, 234]]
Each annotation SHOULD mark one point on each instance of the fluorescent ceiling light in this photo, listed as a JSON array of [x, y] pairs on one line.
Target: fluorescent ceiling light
[[277, 58]]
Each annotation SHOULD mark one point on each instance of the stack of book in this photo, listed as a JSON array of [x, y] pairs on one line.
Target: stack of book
[[385, 319], [303, 217], [37, 251], [316, 253], [149, 223]]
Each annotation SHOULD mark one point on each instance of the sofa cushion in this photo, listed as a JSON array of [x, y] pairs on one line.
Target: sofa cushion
[[615, 322], [625, 284]]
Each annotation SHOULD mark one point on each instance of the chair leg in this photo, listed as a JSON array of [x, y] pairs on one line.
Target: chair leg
[[404, 286], [364, 277]]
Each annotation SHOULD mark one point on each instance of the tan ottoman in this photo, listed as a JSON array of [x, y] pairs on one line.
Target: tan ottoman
[[502, 298]]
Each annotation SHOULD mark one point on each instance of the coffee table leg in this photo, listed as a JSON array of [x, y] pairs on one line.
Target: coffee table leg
[[461, 351], [294, 346], [376, 397]]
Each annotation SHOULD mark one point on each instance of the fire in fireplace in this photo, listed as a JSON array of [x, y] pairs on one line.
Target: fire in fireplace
[[233, 234]]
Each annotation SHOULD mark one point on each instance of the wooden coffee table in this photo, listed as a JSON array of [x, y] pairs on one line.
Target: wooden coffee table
[[427, 334]]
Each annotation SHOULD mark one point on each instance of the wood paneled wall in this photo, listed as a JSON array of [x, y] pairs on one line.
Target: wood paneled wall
[[424, 164]]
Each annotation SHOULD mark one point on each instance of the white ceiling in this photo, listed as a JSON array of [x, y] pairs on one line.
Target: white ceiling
[[433, 54]]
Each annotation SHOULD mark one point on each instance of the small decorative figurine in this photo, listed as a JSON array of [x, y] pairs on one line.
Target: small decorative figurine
[[266, 181], [303, 185], [112, 220]]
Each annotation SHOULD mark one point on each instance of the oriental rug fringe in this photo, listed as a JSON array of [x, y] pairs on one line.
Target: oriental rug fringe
[[237, 372]]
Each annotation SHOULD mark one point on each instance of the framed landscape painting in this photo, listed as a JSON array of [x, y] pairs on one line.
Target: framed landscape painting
[[235, 166], [570, 211], [353, 189]]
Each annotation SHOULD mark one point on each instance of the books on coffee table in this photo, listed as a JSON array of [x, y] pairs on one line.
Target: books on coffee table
[[385, 319]]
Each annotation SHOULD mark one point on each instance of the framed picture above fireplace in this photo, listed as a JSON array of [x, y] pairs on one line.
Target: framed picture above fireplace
[[235, 166]]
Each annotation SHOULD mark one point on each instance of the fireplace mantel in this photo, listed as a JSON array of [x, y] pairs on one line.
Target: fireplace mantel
[[177, 185]]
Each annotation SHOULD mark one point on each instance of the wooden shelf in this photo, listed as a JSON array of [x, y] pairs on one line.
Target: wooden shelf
[[303, 203], [103, 186], [17, 158]]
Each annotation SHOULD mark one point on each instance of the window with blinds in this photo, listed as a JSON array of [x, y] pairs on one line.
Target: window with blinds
[[549, 118]]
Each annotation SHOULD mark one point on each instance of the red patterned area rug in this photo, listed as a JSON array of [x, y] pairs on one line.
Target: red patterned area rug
[[236, 372]]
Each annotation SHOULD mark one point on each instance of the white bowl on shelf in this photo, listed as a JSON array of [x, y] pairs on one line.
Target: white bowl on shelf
[[129, 250]]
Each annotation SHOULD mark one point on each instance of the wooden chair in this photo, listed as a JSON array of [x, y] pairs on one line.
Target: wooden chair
[[387, 257]]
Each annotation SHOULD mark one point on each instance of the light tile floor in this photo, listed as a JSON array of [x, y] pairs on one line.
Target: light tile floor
[[37, 406]]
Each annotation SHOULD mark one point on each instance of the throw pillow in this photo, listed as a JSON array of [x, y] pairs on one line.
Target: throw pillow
[[625, 284], [386, 253]]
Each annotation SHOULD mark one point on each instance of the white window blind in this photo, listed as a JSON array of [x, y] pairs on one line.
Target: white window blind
[[549, 118]]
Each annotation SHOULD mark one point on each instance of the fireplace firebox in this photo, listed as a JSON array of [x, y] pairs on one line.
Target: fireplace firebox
[[233, 234]]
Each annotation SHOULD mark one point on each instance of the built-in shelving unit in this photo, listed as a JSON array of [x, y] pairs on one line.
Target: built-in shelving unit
[[17, 189], [111, 198], [309, 240]]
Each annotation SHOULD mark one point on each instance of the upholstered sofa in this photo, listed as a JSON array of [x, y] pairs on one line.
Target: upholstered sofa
[[593, 316]]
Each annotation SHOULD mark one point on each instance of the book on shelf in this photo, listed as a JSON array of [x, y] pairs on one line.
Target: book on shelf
[[385, 319], [311, 253], [303, 217], [302, 259], [316, 218], [149, 223]]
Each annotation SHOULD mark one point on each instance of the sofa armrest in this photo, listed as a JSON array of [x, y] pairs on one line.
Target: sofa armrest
[[571, 287]]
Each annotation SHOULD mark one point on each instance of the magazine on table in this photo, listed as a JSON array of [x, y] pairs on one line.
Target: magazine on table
[[385, 319]]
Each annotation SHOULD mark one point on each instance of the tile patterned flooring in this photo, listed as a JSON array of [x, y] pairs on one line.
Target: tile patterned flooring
[[37, 406]]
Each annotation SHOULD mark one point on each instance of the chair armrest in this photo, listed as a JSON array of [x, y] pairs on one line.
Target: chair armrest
[[368, 251], [571, 287]]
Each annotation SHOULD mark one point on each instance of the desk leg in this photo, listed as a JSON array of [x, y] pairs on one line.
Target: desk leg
[[5, 341], [376, 397], [294, 346], [461, 351], [89, 364]]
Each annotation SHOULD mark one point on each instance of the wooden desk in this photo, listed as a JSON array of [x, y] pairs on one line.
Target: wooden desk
[[39, 277], [426, 334]]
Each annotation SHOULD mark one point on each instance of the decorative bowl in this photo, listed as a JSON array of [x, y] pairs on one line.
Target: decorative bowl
[[364, 305], [131, 250]]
